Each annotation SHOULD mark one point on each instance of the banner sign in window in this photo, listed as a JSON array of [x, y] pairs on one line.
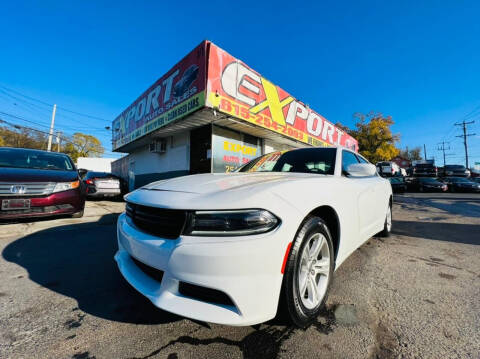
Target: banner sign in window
[[233, 149]]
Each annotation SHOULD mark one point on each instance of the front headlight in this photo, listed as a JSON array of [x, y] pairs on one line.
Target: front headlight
[[65, 186], [230, 223]]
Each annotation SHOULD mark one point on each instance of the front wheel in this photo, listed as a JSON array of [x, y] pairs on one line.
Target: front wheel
[[308, 272], [387, 226], [78, 214]]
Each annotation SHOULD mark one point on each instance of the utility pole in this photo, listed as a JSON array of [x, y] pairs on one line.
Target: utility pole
[[425, 151], [465, 135], [442, 148], [50, 135]]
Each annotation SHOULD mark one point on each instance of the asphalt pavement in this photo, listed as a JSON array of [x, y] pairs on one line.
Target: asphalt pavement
[[413, 295]]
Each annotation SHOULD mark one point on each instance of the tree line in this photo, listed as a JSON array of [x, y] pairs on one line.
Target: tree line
[[376, 142], [76, 145]]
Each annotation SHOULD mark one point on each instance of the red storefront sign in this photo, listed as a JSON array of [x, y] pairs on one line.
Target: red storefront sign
[[237, 90], [174, 95]]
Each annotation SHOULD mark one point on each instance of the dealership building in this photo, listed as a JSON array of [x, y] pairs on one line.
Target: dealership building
[[212, 113]]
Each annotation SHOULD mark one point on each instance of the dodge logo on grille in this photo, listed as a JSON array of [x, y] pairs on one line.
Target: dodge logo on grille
[[17, 189]]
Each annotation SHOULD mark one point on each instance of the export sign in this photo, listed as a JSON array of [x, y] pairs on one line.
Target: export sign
[[237, 90], [176, 94]]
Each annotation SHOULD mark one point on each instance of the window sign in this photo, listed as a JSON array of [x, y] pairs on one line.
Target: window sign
[[232, 149]]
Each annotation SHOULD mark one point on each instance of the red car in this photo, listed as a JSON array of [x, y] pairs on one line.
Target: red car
[[36, 183]]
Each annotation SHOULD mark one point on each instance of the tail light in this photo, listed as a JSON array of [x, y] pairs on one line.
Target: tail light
[[89, 181]]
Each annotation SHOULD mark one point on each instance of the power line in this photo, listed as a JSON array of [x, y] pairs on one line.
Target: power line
[[71, 128], [472, 113], [32, 108], [59, 107], [35, 129], [22, 119], [443, 149]]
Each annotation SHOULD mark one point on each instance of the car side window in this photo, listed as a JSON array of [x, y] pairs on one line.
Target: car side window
[[348, 158]]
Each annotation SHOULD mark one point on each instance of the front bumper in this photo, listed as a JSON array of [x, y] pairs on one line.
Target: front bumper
[[246, 269], [60, 203]]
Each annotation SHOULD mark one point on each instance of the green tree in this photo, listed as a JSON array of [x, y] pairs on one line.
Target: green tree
[[83, 145], [375, 139], [18, 136]]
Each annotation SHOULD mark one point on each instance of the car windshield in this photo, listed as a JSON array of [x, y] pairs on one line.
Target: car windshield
[[20, 158], [455, 167], [427, 180], [396, 180], [458, 179], [305, 160]]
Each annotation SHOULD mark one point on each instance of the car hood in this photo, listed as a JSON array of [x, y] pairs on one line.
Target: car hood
[[219, 182], [8, 174]]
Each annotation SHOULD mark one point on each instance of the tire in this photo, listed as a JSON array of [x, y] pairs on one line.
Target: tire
[[302, 310], [78, 214], [387, 226]]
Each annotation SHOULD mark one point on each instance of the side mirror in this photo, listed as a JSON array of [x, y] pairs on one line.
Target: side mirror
[[361, 170]]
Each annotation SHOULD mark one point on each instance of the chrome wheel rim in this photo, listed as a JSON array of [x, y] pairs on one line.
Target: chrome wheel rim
[[389, 219], [314, 270]]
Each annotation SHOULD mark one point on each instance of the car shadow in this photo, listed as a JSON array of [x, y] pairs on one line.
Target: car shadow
[[76, 260], [439, 231]]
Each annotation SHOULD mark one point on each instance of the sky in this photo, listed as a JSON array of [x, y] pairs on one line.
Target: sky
[[417, 61]]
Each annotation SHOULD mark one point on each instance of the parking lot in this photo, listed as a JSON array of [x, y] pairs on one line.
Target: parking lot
[[415, 294]]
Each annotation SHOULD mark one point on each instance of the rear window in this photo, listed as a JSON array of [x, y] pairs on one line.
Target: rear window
[[98, 175], [427, 180], [455, 167]]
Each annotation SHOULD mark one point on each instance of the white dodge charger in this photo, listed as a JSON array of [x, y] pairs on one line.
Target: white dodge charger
[[233, 248]]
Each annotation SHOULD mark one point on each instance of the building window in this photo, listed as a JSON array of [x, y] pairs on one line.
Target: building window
[[232, 149]]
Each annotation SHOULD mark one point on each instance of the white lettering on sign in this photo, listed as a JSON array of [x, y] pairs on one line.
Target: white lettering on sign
[[241, 83], [328, 130], [314, 124], [296, 109], [167, 84], [231, 86], [339, 136], [140, 111], [152, 99]]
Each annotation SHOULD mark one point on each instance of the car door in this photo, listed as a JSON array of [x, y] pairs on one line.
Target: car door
[[380, 196], [364, 190]]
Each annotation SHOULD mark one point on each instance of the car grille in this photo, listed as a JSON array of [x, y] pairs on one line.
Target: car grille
[[165, 223], [204, 294], [27, 189], [154, 273]]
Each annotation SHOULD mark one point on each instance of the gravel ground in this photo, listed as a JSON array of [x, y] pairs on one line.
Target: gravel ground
[[415, 294]]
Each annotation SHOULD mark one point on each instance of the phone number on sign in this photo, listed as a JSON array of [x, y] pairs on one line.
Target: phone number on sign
[[261, 120]]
